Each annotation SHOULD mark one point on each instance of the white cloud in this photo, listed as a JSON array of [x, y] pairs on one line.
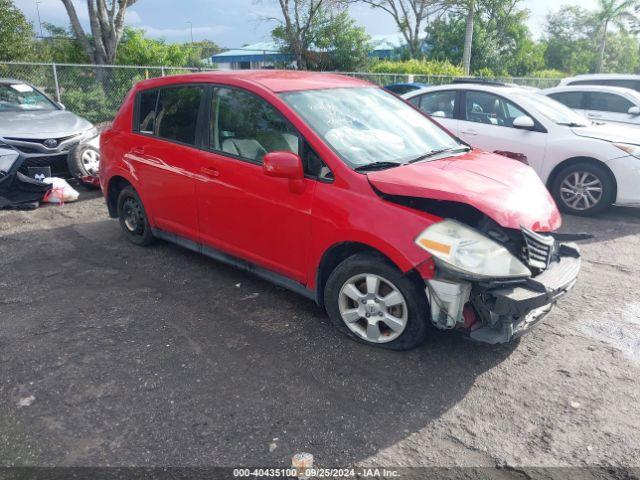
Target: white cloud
[[183, 34]]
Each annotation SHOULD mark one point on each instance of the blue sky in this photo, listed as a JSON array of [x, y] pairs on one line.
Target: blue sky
[[233, 23]]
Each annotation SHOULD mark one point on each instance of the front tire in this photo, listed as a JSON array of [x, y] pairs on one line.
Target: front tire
[[133, 218], [583, 189], [371, 301], [84, 161]]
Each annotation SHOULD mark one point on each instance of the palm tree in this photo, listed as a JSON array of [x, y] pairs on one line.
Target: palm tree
[[616, 12], [468, 38]]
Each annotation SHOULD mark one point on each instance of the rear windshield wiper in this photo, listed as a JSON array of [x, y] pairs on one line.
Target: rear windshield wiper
[[370, 167], [435, 153]]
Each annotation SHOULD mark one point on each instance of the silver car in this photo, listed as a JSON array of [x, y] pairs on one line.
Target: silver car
[[45, 134]]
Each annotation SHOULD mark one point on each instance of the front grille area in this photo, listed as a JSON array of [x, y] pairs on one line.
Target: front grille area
[[538, 249], [40, 141], [58, 164]]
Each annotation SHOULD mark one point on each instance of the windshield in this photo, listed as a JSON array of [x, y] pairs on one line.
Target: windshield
[[554, 110], [20, 96], [368, 125]]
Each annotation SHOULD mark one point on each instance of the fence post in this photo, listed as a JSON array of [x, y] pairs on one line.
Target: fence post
[[55, 79], [162, 71]]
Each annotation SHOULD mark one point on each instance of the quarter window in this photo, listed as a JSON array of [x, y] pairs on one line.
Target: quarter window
[[608, 102], [177, 113], [438, 104], [246, 126], [482, 107], [147, 111]]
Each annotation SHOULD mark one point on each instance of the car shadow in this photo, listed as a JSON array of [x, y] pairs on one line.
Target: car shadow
[[613, 223], [159, 356]]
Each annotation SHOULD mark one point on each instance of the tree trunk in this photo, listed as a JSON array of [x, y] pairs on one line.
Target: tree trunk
[[603, 48], [468, 40]]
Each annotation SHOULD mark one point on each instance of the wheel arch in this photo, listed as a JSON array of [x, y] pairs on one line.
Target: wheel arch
[[116, 184], [575, 160], [339, 252]]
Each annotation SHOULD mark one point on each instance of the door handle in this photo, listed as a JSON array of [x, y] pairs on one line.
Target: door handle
[[210, 171], [469, 132], [137, 150], [595, 115]]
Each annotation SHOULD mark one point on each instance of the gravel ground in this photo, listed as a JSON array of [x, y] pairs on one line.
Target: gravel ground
[[112, 354]]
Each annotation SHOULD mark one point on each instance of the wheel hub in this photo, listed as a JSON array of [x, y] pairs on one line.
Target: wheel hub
[[581, 190]]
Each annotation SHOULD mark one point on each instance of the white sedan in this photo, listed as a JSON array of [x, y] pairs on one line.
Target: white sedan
[[601, 103], [587, 167]]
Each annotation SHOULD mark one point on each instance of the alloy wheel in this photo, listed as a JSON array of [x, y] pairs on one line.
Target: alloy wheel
[[91, 161], [581, 190], [373, 308]]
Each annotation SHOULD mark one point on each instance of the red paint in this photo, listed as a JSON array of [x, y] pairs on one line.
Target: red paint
[[270, 215]]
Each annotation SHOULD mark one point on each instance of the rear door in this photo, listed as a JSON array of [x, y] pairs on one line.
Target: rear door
[[165, 156], [241, 210], [487, 123], [609, 107], [441, 105]]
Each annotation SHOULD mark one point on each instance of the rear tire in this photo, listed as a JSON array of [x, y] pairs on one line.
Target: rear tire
[[583, 189], [371, 301], [133, 218]]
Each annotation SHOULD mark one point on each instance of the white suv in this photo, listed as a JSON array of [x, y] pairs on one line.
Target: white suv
[[586, 166], [601, 104]]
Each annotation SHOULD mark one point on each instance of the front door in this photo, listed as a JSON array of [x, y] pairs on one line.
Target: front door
[[487, 123], [241, 210]]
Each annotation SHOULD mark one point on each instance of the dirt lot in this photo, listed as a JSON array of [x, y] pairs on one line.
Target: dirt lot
[[159, 356]]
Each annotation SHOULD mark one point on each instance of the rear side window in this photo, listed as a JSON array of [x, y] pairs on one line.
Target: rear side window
[[438, 104], [570, 99], [147, 112], [608, 102], [177, 113], [246, 126]]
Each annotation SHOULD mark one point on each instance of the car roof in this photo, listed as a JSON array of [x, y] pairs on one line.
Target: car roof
[[594, 88], [602, 76], [275, 80], [491, 88]]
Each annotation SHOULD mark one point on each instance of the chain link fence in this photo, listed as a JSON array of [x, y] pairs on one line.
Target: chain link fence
[[96, 92]]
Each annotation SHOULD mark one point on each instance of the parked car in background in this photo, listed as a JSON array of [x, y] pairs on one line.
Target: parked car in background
[[604, 79], [342, 192], [601, 104], [402, 88], [46, 134], [587, 167]]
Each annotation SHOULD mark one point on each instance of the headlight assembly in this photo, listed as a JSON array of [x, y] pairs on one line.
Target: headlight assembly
[[91, 132], [469, 252], [633, 150]]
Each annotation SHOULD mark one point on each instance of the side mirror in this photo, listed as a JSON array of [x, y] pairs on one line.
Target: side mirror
[[62, 107], [635, 111], [524, 123], [283, 165], [438, 114]]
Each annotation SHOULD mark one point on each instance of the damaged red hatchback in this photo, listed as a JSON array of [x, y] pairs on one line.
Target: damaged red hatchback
[[340, 191]]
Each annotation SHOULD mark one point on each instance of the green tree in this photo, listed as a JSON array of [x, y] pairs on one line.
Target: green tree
[[501, 39], [572, 41], [335, 42], [612, 12], [16, 33], [60, 46]]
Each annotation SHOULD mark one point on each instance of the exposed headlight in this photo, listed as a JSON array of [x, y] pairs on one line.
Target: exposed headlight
[[91, 132], [7, 157], [633, 150], [469, 252]]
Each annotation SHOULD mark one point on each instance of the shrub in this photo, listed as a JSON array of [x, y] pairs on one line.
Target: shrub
[[417, 67]]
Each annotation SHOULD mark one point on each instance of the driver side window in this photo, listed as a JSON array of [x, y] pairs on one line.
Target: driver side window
[[245, 126], [490, 109]]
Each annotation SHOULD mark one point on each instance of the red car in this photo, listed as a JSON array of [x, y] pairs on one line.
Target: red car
[[340, 191]]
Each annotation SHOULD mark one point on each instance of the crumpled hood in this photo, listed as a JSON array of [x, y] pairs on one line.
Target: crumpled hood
[[610, 133], [41, 124], [505, 190]]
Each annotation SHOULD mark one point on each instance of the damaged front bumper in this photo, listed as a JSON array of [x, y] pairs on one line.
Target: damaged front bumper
[[498, 312]]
